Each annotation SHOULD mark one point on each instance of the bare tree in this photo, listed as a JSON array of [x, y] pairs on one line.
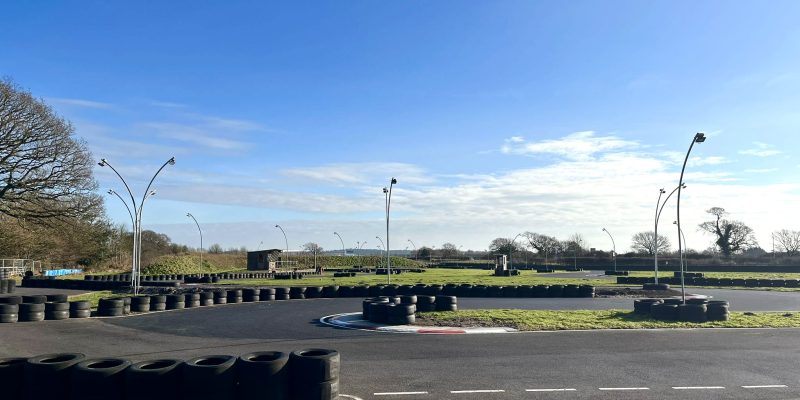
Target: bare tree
[[575, 242], [788, 241], [449, 250], [312, 247], [215, 248], [731, 236], [44, 171], [645, 242], [541, 243]]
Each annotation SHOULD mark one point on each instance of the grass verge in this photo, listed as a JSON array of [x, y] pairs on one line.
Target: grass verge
[[94, 297], [430, 276], [545, 320]]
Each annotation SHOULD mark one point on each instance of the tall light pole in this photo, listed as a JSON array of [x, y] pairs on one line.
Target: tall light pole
[[201, 237], [698, 138], [415, 248], [137, 218], [614, 252], [655, 231], [388, 196], [682, 257], [286, 241], [511, 251], [344, 252]]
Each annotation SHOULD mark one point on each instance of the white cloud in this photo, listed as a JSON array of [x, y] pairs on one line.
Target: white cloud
[[760, 170], [577, 146], [79, 103], [195, 133], [361, 173], [761, 149], [711, 160]]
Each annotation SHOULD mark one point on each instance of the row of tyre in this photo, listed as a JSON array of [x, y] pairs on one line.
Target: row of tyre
[[702, 281], [674, 309], [79, 284], [310, 374], [401, 310], [7, 286], [39, 308]]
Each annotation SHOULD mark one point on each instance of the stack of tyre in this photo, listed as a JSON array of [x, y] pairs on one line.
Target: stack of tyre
[[446, 303], [311, 374], [113, 307], [673, 309], [7, 286], [9, 309]]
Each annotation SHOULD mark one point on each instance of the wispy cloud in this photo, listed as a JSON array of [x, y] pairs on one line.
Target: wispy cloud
[[166, 104], [761, 149], [361, 173], [194, 134], [760, 170], [576, 146], [82, 103]]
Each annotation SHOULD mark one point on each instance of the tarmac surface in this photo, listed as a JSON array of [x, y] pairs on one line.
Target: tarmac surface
[[607, 364]]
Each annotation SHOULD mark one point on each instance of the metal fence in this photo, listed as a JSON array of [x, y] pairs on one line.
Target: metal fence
[[18, 266]]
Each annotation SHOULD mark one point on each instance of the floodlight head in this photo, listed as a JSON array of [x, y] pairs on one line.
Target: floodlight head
[[394, 181], [277, 226], [385, 190], [662, 190], [699, 137], [683, 186], [188, 214], [674, 222], [102, 162], [171, 161], [604, 229]]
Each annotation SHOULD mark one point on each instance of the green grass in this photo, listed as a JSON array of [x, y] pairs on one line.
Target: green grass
[[430, 276], [94, 297], [531, 320], [732, 275]]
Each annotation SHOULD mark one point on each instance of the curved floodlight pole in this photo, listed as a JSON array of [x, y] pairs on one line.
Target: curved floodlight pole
[[133, 230], [388, 248], [698, 138], [511, 251], [415, 248], [344, 252], [614, 251], [201, 237], [658, 217], [135, 261], [138, 277]]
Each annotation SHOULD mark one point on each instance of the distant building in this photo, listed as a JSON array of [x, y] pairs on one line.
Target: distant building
[[263, 260]]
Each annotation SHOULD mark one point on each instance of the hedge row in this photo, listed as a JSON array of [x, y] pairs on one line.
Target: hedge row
[[310, 374], [791, 283]]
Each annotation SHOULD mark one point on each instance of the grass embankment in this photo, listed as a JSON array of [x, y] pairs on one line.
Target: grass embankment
[[430, 276], [94, 297], [190, 264], [534, 320]]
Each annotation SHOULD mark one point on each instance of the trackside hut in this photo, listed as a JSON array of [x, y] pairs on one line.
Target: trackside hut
[[263, 260]]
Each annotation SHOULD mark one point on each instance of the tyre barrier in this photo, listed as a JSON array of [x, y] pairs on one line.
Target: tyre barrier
[[234, 296], [267, 294], [56, 311], [206, 298], [80, 309], [192, 300], [309, 374], [9, 313], [616, 273], [250, 295], [111, 307], [158, 302], [176, 302], [673, 309], [701, 281], [282, 293], [8, 286], [655, 286], [545, 271]]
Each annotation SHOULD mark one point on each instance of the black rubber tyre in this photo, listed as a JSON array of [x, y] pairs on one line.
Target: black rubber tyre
[[56, 315], [328, 390], [692, 313], [54, 369], [56, 306], [447, 307], [446, 300], [140, 301], [176, 302], [313, 365], [696, 301], [297, 292], [80, 305], [34, 299], [31, 307], [153, 380], [250, 295], [378, 312], [220, 297], [57, 298], [401, 319], [9, 308], [408, 299], [110, 312], [642, 306], [330, 291], [31, 317], [12, 374], [98, 379], [654, 286], [263, 374], [313, 292], [192, 300], [9, 319], [541, 291], [717, 312], [664, 312], [11, 300], [210, 377], [110, 303], [80, 313], [570, 291], [555, 291], [586, 291]]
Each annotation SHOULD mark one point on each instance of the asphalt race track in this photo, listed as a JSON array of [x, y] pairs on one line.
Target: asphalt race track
[[647, 364]]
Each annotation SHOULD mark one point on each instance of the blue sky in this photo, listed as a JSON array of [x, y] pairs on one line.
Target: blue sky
[[496, 117]]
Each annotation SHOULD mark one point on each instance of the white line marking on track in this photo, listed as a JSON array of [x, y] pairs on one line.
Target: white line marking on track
[[347, 396], [478, 391], [697, 387], [398, 393], [624, 388], [764, 386], [551, 390]]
